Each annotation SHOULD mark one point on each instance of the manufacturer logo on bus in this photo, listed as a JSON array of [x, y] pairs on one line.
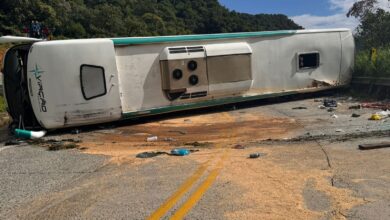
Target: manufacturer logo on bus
[[41, 95]]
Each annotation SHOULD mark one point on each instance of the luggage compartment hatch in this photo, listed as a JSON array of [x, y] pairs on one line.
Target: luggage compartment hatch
[[229, 67]]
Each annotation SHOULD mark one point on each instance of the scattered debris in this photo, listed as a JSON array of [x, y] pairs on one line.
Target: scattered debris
[[335, 116], [152, 139], [180, 132], [19, 133], [374, 146], [62, 146], [75, 131], [331, 110], [169, 139], [180, 152], [384, 114], [238, 147], [376, 105], [321, 107], [11, 142], [71, 140], [150, 154], [330, 103], [198, 144], [340, 131], [328, 137], [299, 108], [256, 155], [376, 117], [354, 115], [355, 107]]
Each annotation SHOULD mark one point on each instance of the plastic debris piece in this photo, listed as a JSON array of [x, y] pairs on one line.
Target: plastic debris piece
[[321, 107], [330, 103], [180, 152], [19, 133], [256, 155], [149, 154], [152, 139], [375, 117], [384, 113], [339, 130], [354, 115], [335, 116]]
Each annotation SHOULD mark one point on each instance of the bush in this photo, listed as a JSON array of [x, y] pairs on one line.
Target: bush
[[380, 68]]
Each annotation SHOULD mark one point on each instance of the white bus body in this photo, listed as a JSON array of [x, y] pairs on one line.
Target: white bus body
[[67, 83]]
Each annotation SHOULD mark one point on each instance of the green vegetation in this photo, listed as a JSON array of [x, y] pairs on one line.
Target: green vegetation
[[364, 66], [2, 104], [122, 18], [3, 49], [373, 32]]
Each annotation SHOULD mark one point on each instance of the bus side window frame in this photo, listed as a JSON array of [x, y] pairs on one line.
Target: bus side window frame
[[82, 85], [317, 53]]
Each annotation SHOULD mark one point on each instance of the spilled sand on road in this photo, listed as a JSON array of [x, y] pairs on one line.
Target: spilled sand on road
[[273, 190], [215, 129]]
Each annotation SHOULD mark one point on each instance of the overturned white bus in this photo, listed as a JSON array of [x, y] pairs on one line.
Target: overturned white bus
[[66, 83]]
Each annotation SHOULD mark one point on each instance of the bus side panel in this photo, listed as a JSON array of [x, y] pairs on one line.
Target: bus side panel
[[275, 62], [348, 57], [58, 95]]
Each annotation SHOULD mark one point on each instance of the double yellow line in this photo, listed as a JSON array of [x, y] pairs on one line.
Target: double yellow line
[[194, 198], [185, 187]]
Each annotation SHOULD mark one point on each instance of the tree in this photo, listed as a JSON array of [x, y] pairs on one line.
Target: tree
[[374, 28], [361, 8], [113, 18]]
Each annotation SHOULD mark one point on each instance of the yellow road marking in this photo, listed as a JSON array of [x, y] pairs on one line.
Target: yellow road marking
[[171, 201], [186, 186], [200, 191]]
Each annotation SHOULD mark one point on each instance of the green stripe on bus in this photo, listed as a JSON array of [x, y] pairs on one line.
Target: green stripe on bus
[[166, 39]]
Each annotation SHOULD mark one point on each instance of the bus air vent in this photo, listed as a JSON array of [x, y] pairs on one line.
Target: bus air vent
[[175, 50]]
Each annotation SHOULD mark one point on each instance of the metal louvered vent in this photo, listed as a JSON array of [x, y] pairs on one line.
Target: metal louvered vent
[[194, 95], [174, 50], [195, 49]]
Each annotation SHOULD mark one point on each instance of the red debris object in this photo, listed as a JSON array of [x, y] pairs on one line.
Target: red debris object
[[376, 105]]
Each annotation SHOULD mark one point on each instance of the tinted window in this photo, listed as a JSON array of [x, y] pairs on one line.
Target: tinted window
[[93, 81], [309, 60]]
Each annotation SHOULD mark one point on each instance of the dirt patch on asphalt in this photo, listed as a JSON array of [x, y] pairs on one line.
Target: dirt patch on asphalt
[[207, 131], [277, 191]]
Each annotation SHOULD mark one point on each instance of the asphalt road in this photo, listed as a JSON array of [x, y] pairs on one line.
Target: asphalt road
[[325, 177]]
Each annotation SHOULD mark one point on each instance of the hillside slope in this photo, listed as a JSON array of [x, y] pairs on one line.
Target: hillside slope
[[114, 18]]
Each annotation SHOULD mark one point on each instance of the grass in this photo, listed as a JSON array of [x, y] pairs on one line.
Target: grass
[[3, 49], [2, 104], [365, 67]]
